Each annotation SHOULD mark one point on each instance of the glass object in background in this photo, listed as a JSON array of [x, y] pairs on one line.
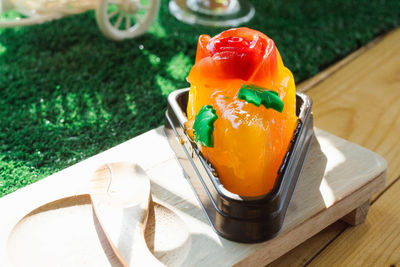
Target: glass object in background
[[222, 13]]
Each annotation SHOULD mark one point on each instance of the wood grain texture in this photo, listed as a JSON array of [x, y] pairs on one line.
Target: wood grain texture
[[370, 117], [338, 176], [374, 243], [361, 103], [313, 81], [300, 255]]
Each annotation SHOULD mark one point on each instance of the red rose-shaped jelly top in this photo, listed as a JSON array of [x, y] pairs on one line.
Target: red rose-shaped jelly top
[[236, 54], [232, 44]]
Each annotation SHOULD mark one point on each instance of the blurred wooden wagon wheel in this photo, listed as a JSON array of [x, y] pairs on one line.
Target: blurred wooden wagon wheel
[[121, 19], [117, 19]]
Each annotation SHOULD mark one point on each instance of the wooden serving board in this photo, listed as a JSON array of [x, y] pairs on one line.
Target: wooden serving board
[[51, 223]]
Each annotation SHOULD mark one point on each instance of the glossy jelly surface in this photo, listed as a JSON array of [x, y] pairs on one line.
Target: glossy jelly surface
[[249, 142]]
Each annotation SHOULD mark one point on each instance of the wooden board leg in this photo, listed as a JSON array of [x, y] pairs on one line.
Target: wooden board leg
[[358, 215]]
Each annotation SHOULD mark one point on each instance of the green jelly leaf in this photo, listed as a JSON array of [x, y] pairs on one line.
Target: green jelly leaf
[[203, 126], [261, 96]]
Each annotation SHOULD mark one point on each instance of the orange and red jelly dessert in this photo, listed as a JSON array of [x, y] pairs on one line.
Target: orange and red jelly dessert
[[248, 140]]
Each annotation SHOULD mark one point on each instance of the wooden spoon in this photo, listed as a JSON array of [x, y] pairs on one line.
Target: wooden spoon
[[120, 194]]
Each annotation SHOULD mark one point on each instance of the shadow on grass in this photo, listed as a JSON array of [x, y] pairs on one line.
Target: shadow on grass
[[69, 93]]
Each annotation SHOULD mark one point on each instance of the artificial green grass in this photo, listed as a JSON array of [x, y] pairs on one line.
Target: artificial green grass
[[68, 93]]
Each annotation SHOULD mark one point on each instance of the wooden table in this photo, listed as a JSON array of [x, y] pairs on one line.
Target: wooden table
[[358, 99]]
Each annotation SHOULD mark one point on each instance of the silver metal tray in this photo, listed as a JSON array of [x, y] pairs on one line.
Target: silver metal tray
[[238, 218]]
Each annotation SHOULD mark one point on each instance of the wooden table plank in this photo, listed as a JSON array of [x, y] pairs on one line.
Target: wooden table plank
[[315, 80], [377, 83], [374, 243], [304, 252], [361, 103]]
